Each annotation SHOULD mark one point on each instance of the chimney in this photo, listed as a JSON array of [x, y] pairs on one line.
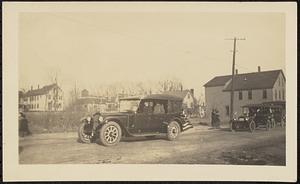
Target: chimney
[[38, 86], [258, 68], [31, 87], [192, 91], [236, 71]]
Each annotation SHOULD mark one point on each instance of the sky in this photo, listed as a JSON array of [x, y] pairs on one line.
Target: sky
[[94, 48]]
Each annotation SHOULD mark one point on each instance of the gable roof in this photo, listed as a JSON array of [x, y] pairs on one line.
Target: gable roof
[[179, 94], [256, 80], [218, 81], [41, 91], [245, 81]]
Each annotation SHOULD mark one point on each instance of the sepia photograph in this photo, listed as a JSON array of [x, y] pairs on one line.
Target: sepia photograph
[[151, 84]]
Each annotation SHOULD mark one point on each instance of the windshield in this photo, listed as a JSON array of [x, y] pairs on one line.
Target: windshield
[[129, 105]]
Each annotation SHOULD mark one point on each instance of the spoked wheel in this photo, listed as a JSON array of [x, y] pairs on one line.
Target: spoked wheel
[[110, 134], [173, 131], [252, 126], [85, 132]]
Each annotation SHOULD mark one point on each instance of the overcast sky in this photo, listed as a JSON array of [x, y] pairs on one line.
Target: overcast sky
[[97, 48]]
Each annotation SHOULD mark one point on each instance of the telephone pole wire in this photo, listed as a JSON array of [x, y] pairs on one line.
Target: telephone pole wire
[[232, 76]]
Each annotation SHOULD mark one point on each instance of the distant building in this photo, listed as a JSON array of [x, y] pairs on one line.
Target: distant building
[[249, 88], [187, 96], [47, 98], [91, 103]]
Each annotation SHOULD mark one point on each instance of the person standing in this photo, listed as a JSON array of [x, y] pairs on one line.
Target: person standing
[[217, 119], [213, 118], [23, 125]]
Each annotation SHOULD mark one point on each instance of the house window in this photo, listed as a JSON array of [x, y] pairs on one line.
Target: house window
[[249, 95], [240, 95], [37, 106], [227, 110], [283, 97], [264, 94], [275, 94], [279, 93]]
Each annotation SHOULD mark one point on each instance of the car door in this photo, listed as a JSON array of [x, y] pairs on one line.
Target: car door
[[159, 116], [142, 118]]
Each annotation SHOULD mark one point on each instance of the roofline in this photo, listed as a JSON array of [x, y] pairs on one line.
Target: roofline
[[228, 90], [205, 85]]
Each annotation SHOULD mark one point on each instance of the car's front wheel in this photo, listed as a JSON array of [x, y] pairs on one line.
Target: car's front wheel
[[85, 132], [110, 134], [173, 131]]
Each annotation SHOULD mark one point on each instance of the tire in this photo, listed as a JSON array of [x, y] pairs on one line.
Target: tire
[[110, 134], [252, 126], [173, 131], [83, 135]]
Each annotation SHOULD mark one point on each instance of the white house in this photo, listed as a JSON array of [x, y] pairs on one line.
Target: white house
[[187, 95], [249, 88], [47, 98]]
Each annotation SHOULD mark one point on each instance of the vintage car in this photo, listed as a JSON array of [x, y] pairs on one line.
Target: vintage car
[[278, 108], [148, 116], [255, 116]]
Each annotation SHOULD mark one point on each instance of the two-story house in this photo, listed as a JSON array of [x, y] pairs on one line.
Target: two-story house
[[249, 88], [47, 98]]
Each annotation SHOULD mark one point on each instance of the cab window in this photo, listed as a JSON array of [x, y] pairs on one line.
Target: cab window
[[146, 107], [160, 107]]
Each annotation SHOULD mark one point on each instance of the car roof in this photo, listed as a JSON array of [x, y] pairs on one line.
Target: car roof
[[262, 105], [162, 97], [154, 97], [131, 98]]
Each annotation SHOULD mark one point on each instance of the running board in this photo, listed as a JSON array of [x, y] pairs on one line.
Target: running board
[[146, 134], [187, 127]]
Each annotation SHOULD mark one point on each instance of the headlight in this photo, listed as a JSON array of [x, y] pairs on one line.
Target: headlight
[[88, 119], [101, 118]]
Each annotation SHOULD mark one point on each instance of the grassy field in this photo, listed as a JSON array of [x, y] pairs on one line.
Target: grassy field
[[47, 122]]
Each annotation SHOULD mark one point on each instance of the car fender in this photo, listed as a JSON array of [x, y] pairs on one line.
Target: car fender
[[117, 120]]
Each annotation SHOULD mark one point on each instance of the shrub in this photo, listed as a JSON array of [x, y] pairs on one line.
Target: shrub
[[47, 122]]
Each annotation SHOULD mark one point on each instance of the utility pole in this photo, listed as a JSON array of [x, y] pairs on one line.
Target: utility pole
[[232, 76]]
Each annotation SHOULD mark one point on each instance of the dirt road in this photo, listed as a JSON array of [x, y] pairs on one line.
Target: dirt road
[[195, 146]]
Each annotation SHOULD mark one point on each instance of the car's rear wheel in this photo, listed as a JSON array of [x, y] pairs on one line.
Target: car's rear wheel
[[252, 126], [110, 134], [85, 132], [173, 131]]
